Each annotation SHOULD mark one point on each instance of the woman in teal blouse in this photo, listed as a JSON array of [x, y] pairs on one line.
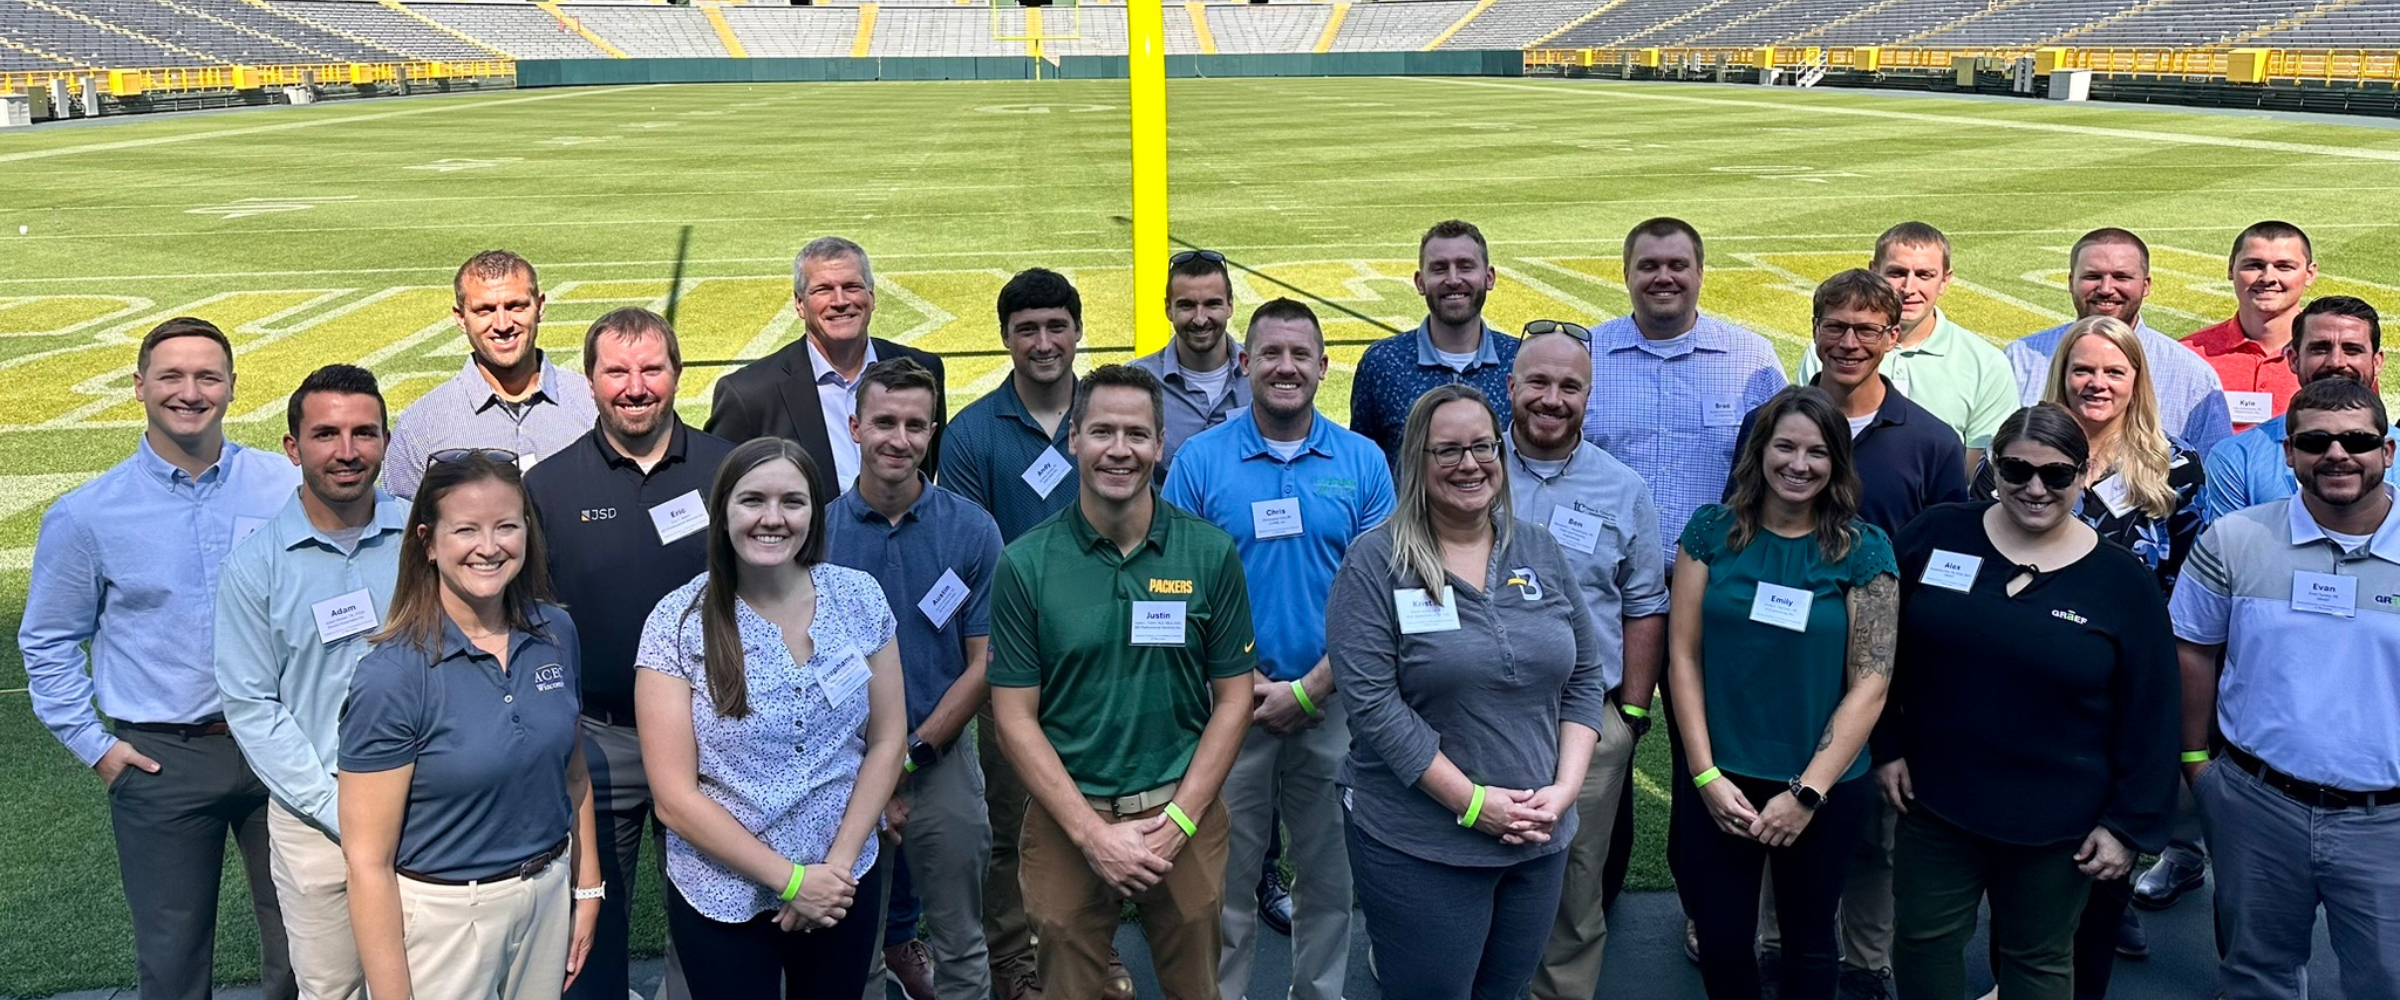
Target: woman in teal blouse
[[1780, 647]]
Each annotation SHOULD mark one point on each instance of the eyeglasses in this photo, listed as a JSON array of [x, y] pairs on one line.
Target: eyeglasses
[[502, 456], [2354, 442], [1189, 256], [1867, 333], [1448, 456], [2018, 472], [1542, 326]]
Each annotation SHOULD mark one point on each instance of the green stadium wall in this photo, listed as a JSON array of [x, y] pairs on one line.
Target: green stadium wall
[[609, 72]]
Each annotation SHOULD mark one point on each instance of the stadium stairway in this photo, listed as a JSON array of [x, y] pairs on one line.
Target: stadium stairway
[[1333, 27], [571, 24]]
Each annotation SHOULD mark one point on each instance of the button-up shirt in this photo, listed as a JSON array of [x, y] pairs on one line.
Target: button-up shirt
[[942, 536], [2250, 469], [1189, 408], [1959, 377], [1598, 500], [837, 398], [1671, 409], [128, 562], [2245, 366], [2191, 400], [284, 675], [1396, 370], [988, 448], [465, 412]]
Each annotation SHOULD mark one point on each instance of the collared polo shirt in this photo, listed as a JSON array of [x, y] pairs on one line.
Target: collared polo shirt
[[607, 560], [1957, 376], [837, 399], [1396, 370], [2191, 400], [1190, 410], [1672, 409], [2250, 469], [1907, 460], [2316, 696], [1342, 487], [2245, 366], [1124, 718], [989, 447], [128, 562], [285, 674], [490, 746], [941, 537], [465, 412], [1598, 501]]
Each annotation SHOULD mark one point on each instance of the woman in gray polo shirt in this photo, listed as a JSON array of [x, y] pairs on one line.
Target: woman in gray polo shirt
[[1465, 655]]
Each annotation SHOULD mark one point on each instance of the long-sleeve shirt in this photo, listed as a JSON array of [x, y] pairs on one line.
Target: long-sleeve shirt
[[128, 562]]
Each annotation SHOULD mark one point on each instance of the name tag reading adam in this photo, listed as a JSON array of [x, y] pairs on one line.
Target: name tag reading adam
[[345, 616], [680, 517], [2249, 407], [1575, 529], [1418, 614], [1045, 472], [1158, 623], [1781, 606], [2325, 594], [1276, 518], [943, 599], [1952, 571]]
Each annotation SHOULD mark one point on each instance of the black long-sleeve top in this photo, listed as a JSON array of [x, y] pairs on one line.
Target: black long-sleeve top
[[2032, 718]]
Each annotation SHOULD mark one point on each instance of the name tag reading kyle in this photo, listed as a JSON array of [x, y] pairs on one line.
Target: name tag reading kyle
[[680, 517], [1045, 472], [2116, 494], [1575, 529], [844, 680], [341, 617], [1418, 614], [943, 599], [1158, 623], [2325, 594], [244, 527], [1781, 606], [1952, 571], [1276, 518], [1720, 413], [2250, 407]]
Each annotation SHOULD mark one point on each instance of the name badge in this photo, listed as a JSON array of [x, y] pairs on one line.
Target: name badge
[[244, 527], [1951, 571], [943, 599], [1276, 518], [844, 680], [2325, 594], [2114, 492], [680, 517], [1720, 413], [1574, 529], [345, 616], [1045, 472], [1419, 615], [1781, 606], [1158, 623], [2250, 407]]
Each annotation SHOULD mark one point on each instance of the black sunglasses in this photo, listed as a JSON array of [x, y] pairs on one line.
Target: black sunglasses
[[1542, 326], [2018, 472], [2354, 442], [502, 456], [1189, 256]]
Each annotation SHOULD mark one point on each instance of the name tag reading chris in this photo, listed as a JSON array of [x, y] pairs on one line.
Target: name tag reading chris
[[1781, 606], [1158, 623], [345, 616], [2325, 594], [1276, 518], [680, 517]]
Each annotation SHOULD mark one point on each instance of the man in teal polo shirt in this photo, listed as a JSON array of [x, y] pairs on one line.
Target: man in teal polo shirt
[[1121, 667]]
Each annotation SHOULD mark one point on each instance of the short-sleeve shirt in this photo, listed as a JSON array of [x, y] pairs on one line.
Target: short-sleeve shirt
[[1959, 377], [2161, 543], [1770, 690], [2191, 400], [785, 771], [2244, 366], [489, 746], [464, 412], [940, 538], [1124, 718], [2249, 469], [1394, 371], [1606, 528], [988, 448]]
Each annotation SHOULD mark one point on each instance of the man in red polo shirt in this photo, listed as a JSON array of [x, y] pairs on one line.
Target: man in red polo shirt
[[2271, 267]]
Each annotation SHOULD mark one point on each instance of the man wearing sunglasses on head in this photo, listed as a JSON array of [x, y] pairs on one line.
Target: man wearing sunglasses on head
[[2333, 337], [1202, 368], [508, 395]]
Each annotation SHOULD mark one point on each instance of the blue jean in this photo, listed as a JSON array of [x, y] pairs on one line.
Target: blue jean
[[1446, 932], [2277, 861]]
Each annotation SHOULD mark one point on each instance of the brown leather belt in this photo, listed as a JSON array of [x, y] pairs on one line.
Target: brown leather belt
[[531, 867]]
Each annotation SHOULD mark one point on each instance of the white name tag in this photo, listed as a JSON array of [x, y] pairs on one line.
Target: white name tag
[[1781, 606], [345, 616], [1045, 472], [943, 599], [2115, 493], [1575, 529], [1720, 413], [2250, 407], [244, 527], [1952, 571], [844, 680], [1276, 518], [1158, 623], [1418, 614], [679, 517], [2325, 594]]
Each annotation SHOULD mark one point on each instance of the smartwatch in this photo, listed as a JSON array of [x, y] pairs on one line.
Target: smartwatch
[[921, 754], [1809, 798], [1640, 724]]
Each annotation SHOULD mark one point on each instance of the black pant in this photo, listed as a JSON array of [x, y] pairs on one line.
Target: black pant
[[755, 960], [170, 830], [1717, 874], [2096, 936], [621, 812]]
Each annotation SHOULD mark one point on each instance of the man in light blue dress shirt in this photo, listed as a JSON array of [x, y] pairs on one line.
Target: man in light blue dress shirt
[[2336, 336], [296, 604], [128, 563]]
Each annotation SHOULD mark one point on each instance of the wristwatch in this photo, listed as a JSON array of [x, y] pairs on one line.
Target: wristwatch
[[1640, 724], [1809, 798], [921, 754]]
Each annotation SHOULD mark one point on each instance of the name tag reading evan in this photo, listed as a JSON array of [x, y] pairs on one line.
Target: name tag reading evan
[[1158, 623], [1575, 529], [1418, 614], [679, 517], [1952, 571], [1045, 472], [2325, 594], [2249, 407], [1276, 518], [943, 599], [345, 616], [1781, 606]]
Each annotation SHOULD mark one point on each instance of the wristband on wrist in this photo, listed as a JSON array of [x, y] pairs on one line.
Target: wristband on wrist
[[1300, 694], [1702, 779], [792, 888], [1635, 711], [1182, 822], [1474, 809], [908, 765], [2195, 756]]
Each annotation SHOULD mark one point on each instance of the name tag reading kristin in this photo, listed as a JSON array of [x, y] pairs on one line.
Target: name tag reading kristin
[[1158, 623], [1575, 529], [943, 599], [2250, 407], [1045, 472], [1781, 606], [1418, 614], [2325, 594], [680, 517], [1276, 518], [244, 527], [1720, 413], [1952, 571], [2114, 492], [341, 617]]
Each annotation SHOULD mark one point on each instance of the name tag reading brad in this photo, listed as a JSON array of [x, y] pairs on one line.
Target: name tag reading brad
[[1418, 614], [1276, 518], [1045, 472], [244, 527], [2249, 407], [1575, 529], [680, 517], [1720, 413], [1781, 606], [1952, 571], [1158, 623], [2325, 594], [345, 616], [943, 599]]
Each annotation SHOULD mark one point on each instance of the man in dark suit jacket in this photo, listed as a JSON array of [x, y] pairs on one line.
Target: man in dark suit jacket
[[803, 391]]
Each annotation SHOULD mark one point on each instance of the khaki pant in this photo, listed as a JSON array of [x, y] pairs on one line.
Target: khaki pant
[[1579, 937], [1075, 914], [313, 885], [505, 940]]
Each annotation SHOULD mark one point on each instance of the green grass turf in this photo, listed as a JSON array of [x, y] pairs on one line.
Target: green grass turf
[[328, 233]]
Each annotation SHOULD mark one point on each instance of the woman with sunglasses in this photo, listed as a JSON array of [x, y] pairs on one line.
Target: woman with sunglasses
[[1467, 660], [2030, 745], [466, 811], [1779, 646]]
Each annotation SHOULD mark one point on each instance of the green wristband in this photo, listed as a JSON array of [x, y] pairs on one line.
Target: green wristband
[[1636, 711], [908, 765], [1702, 779], [2195, 756], [792, 888], [1300, 694], [1474, 809], [1183, 822]]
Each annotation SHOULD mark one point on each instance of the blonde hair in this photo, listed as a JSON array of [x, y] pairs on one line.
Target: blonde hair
[[1415, 551], [2134, 447]]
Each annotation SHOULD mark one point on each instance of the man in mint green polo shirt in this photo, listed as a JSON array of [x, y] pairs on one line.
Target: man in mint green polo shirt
[[1121, 661]]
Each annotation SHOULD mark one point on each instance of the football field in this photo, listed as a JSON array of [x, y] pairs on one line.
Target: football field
[[329, 233]]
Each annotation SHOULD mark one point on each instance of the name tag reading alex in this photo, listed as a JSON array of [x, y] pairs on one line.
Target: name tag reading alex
[[1952, 571], [1720, 413], [1575, 529], [1276, 518], [1045, 472], [1418, 614], [679, 517], [943, 599], [1158, 623], [1781, 606], [2249, 407], [2325, 594], [345, 616]]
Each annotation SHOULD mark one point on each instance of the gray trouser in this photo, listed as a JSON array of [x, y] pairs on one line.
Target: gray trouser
[[1579, 937], [170, 830], [2277, 861], [621, 807], [948, 846], [1294, 774]]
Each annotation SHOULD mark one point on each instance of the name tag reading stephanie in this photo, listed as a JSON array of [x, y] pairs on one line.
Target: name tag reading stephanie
[[1158, 623], [844, 680], [1781, 606], [680, 517], [1952, 571], [345, 616], [2325, 594], [1276, 518], [1045, 472], [1418, 614]]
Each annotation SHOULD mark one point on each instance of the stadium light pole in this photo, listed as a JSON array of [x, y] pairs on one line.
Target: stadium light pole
[[1146, 29]]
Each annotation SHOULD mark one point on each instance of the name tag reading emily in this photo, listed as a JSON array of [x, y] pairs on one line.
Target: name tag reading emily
[[1045, 472], [1158, 623], [345, 616], [1781, 606]]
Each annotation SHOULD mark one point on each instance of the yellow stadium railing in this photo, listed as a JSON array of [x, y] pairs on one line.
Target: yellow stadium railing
[[2355, 66], [172, 79]]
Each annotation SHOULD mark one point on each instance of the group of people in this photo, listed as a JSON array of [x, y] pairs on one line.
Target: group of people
[[1944, 623]]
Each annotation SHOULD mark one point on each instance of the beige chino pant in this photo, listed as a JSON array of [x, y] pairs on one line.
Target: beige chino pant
[[313, 885], [490, 941]]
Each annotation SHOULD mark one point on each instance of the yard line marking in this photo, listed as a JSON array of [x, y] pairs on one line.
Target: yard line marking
[[163, 140]]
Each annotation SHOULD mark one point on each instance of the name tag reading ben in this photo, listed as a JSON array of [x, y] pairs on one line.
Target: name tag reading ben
[[1781, 606], [1045, 472], [1276, 518], [1952, 571], [341, 617], [1575, 529], [1418, 614], [943, 599], [1158, 623], [680, 517], [2325, 594], [2249, 407]]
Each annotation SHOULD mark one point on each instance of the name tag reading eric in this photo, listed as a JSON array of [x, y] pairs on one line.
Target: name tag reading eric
[[1276, 518], [341, 617], [1575, 529], [2249, 407], [943, 599], [2325, 594], [1158, 623], [1781, 606], [1952, 571], [1418, 614], [680, 517], [1045, 472]]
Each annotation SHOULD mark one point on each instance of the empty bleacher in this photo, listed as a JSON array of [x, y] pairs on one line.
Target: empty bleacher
[[2022, 23], [384, 26], [2188, 23], [1702, 19], [942, 31], [788, 32], [1273, 27], [14, 58], [653, 32], [1398, 25], [1620, 20], [217, 40], [1890, 21], [522, 30], [1777, 22], [312, 37], [2368, 24], [85, 41], [1513, 24]]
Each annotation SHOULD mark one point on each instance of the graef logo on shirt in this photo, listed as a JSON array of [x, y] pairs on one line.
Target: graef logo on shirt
[[1336, 487], [2070, 615], [598, 514], [1158, 586], [550, 678]]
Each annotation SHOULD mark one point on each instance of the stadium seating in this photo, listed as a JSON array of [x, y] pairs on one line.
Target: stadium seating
[[2187, 23], [2368, 24], [2019, 23], [654, 32], [386, 27], [1890, 21], [308, 36], [1775, 22], [86, 41], [214, 40], [787, 32], [1701, 20], [934, 31], [1398, 25], [1621, 20], [519, 29], [1272, 27], [1513, 24]]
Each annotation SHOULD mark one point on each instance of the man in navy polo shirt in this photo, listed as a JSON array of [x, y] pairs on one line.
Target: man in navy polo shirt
[[1454, 344]]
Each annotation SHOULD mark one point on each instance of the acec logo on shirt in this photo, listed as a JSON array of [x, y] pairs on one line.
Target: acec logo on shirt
[[1158, 586], [550, 678]]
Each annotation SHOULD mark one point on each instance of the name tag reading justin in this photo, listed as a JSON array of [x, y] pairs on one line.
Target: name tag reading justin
[[345, 616], [1418, 614], [1045, 472], [1720, 413], [844, 680], [2325, 594], [1276, 518], [2116, 494], [943, 599], [1952, 571], [1781, 606], [1158, 623], [2249, 407], [680, 517], [1575, 529], [244, 527]]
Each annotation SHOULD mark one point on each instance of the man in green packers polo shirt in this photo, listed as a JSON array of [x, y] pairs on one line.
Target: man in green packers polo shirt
[[1121, 660]]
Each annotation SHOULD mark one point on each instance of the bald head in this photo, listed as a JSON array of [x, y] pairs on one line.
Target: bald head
[[1548, 389]]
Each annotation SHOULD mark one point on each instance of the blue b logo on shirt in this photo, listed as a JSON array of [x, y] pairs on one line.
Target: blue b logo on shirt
[[1528, 585]]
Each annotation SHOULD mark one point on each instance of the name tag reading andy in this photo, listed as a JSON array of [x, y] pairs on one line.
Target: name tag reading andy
[[1720, 413], [345, 616], [2116, 494], [1575, 529], [844, 680], [1276, 518], [1418, 614], [1952, 571], [244, 527], [680, 517], [1158, 623], [1781, 606], [2249, 407], [2325, 594], [943, 599], [1045, 472]]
